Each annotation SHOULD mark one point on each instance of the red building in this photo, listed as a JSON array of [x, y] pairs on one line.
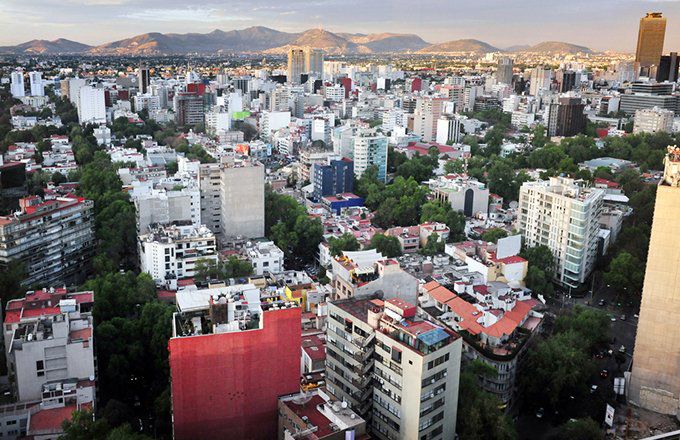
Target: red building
[[347, 84], [226, 385]]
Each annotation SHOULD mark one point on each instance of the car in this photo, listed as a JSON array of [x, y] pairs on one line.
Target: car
[[599, 355], [622, 349], [593, 389], [601, 303], [539, 413], [613, 319], [604, 373], [623, 317], [636, 316]]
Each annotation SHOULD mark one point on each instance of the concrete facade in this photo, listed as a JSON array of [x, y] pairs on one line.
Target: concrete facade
[[242, 195]]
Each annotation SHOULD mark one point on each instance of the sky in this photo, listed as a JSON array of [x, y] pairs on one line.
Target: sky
[[599, 24]]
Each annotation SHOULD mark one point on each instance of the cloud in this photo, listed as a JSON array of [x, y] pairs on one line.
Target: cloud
[[183, 15]]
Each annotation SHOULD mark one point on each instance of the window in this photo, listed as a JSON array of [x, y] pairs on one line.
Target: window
[[396, 355], [440, 360]]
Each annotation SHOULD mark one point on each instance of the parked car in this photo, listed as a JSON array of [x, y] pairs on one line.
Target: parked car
[[602, 303], [622, 349], [623, 317], [539, 413], [593, 389], [604, 373]]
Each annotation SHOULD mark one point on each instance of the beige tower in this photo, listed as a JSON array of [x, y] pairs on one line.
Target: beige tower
[[650, 39], [655, 380]]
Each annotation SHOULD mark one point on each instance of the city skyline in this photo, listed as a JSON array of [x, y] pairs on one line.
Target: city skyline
[[431, 20]]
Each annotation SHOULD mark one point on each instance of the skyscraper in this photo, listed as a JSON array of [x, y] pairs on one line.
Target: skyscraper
[[37, 86], [504, 70], [296, 64], [17, 86], [314, 61], [143, 78], [566, 117], [655, 380], [650, 40], [668, 68]]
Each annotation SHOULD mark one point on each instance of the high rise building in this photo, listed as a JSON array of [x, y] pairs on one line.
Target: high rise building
[[541, 80], [143, 78], [448, 130], [566, 117], [48, 338], [562, 214], [296, 64], [650, 39], [388, 364], [369, 148], [231, 357], [425, 117], [54, 239], [189, 109], [164, 205], [653, 120], [242, 197], [314, 62], [648, 95], [211, 208], [504, 72], [655, 379], [668, 68], [17, 86], [37, 86], [91, 106], [337, 177], [566, 79]]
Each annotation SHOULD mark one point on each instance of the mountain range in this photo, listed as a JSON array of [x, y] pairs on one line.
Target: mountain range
[[260, 39]]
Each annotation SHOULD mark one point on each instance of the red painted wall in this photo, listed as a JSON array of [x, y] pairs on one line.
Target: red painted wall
[[225, 386]]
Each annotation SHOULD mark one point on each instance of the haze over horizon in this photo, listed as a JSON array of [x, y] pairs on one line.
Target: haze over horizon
[[612, 26]]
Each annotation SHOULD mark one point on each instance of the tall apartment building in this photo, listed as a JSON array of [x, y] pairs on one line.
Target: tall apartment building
[[650, 39], [562, 214], [143, 78], [242, 197], [653, 120], [163, 206], [54, 239], [566, 117], [91, 106], [231, 357], [210, 188], [37, 86], [369, 148], [170, 252], [504, 70], [541, 80], [17, 87], [304, 60], [400, 371], [147, 101], [655, 380], [448, 130], [48, 338], [189, 108], [427, 113], [337, 177]]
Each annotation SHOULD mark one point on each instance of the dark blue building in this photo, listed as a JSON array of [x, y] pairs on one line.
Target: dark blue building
[[335, 178]]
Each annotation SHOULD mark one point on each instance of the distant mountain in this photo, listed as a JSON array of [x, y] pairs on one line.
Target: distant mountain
[[388, 42], [557, 47], [321, 39], [459, 46], [252, 39], [516, 48], [60, 45]]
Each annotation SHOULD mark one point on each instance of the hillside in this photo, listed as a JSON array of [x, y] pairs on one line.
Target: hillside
[[557, 47], [60, 45], [460, 46]]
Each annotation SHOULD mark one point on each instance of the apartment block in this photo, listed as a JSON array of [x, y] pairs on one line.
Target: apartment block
[[231, 357], [170, 252], [398, 370], [653, 120], [562, 214], [53, 238], [369, 148], [48, 337], [242, 197]]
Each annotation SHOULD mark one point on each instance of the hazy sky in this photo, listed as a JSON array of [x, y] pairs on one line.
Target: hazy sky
[[600, 24]]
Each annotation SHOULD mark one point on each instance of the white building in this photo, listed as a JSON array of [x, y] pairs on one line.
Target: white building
[[562, 214], [103, 135], [74, 86], [147, 101], [177, 203], [242, 197], [541, 79], [653, 120], [48, 337], [170, 252], [265, 257], [272, 121], [463, 193], [37, 86], [211, 206], [17, 86], [448, 130], [334, 93], [427, 112], [217, 121], [91, 106], [369, 148]]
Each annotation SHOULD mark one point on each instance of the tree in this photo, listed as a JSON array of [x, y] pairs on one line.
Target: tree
[[626, 273], [386, 244], [419, 168], [592, 326], [433, 246], [346, 242], [479, 413], [538, 137], [538, 281], [580, 429], [368, 182], [83, 426], [10, 281], [540, 257], [433, 211], [454, 167], [502, 180], [494, 234]]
